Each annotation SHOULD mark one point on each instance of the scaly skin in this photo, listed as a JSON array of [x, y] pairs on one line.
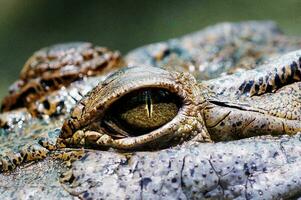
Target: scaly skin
[[258, 167], [54, 67], [237, 106]]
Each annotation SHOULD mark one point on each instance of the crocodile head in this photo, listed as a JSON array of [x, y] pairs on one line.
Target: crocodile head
[[256, 167]]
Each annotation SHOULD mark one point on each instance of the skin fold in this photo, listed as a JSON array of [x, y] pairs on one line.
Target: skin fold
[[212, 110], [233, 133]]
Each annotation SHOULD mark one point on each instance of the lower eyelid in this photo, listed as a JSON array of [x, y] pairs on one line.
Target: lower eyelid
[[119, 133]]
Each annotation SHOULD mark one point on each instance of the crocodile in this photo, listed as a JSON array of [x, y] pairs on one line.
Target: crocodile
[[213, 114]]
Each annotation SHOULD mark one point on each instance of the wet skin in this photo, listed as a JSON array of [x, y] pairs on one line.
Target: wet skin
[[159, 100]]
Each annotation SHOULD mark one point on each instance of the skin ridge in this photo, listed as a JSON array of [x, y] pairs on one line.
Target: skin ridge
[[228, 118], [260, 167]]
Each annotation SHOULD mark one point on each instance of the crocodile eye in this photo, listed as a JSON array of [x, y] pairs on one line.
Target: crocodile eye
[[141, 112], [138, 108]]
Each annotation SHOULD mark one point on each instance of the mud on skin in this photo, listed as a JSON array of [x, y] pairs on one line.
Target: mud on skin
[[36, 153]]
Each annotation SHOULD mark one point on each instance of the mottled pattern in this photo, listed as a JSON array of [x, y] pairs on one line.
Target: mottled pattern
[[262, 101], [24, 144], [42, 184], [256, 168], [57, 66], [62, 101], [266, 78], [221, 49], [247, 169]]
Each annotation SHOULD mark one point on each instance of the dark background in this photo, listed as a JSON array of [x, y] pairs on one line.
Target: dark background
[[28, 25]]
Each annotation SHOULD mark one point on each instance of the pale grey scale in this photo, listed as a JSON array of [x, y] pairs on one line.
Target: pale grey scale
[[62, 48], [245, 83], [284, 103], [66, 98], [227, 89], [153, 55], [205, 172], [216, 50], [257, 168], [23, 144], [43, 183], [235, 113]]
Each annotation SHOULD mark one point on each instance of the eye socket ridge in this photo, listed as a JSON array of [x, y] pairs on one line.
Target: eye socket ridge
[[140, 112]]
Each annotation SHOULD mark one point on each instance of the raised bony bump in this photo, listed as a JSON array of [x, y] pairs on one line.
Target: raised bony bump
[[54, 67]]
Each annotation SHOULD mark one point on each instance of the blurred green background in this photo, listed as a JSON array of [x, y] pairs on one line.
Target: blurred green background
[[26, 26]]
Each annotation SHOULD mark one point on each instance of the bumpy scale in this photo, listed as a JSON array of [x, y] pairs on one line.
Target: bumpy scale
[[212, 110], [54, 67], [163, 95]]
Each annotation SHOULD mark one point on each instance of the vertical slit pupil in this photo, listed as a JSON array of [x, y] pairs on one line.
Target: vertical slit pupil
[[149, 103]]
